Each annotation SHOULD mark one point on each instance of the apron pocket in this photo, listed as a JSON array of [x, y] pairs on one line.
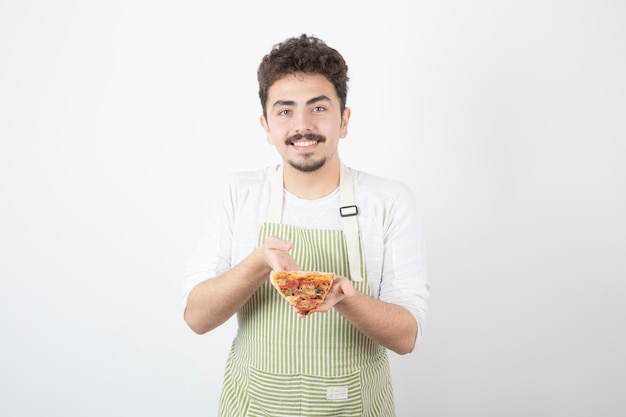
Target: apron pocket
[[285, 395]]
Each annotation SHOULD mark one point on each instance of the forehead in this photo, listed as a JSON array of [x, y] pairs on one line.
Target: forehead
[[300, 87]]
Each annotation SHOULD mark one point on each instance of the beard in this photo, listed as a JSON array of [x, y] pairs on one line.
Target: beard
[[308, 164]]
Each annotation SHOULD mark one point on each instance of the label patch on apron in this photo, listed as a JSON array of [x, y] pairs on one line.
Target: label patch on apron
[[337, 393]]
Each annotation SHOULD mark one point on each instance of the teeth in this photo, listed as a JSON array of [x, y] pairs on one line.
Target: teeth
[[304, 143]]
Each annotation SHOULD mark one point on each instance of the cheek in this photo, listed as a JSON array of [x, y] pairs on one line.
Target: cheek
[[275, 136], [337, 128]]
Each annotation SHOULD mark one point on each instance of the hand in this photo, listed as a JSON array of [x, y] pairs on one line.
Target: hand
[[342, 288], [276, 254]]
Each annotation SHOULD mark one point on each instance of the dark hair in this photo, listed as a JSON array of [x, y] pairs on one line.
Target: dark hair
[[306, 54]]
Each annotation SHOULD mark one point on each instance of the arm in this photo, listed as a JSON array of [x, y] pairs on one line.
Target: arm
[[394, 315], [212, 302], [390, 325]]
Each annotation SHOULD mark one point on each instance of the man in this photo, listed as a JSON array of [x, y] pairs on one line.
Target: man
[[310, 213]]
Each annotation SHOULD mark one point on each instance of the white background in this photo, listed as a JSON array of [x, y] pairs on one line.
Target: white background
[[118, 120]]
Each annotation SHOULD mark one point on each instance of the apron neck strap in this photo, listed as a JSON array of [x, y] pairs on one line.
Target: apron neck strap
[[275, 211], [348, 212]]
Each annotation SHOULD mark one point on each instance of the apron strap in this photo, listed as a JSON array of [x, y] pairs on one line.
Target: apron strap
[[275, 210], [348, 212]]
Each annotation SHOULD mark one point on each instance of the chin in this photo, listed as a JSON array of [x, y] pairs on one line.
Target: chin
[[308, 166]]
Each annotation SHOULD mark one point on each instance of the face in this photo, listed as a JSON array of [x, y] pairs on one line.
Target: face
[[304, 120]]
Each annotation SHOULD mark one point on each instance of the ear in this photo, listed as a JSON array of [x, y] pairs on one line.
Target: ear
[[345, 119], [265, 127]]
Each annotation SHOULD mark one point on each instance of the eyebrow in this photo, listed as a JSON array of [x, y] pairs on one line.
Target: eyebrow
[[293, 103]]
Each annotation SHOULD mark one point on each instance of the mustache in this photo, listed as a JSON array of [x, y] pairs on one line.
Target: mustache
[[309, 136]]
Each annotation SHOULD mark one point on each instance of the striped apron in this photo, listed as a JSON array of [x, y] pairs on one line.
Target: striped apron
[[283, 365]]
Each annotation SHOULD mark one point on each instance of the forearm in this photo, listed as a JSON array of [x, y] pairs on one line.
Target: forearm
[[392, 326], [212, 302]]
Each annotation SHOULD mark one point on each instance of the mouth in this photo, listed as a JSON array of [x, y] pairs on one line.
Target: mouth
[[305, 141]]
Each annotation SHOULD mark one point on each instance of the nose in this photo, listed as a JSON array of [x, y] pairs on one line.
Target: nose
[[302, 121]]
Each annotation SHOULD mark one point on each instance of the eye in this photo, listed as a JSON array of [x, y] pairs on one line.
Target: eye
[[318, 109], [284, 112]]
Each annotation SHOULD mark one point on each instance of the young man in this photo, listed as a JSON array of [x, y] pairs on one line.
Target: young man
[[310, 213]]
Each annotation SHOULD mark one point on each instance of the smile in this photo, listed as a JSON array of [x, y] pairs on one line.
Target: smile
[[304, 143]]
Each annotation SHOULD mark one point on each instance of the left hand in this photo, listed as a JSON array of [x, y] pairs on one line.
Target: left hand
[[342, 288]]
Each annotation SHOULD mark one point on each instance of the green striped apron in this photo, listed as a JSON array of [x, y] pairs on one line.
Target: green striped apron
[[283, 365]]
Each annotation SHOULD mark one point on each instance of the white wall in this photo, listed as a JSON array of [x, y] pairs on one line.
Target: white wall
[[119, 118]]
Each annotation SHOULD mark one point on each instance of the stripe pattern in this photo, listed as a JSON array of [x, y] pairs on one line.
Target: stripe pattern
[[283, 365]]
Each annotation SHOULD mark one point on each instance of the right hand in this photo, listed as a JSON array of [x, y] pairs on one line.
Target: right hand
[[276, 254]]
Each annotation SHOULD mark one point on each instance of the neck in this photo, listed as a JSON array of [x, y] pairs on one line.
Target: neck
[[312, 185]]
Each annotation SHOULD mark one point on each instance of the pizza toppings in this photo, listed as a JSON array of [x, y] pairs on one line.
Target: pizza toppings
[[305, 290]]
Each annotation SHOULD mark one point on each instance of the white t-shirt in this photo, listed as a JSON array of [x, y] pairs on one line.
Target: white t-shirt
[[388, 218]]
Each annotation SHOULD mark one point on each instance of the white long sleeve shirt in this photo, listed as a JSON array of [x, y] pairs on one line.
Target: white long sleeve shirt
[[388, 218]]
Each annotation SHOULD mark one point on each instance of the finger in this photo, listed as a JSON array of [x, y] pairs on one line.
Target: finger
[[276, 243], [299, 312], [284, 262], [323, 308]]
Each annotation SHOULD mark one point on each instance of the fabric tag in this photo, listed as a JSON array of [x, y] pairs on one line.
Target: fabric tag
[[337, 393]]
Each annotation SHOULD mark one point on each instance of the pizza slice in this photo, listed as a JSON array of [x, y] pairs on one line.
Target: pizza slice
[[305, 290]]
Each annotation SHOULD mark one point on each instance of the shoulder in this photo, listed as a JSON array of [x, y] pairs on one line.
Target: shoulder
[[240, 181], [379, 187], [250, 178], [385, 199], [243, 188]]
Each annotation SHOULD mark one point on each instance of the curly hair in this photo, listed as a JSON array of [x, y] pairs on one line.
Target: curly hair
[[306, 54]]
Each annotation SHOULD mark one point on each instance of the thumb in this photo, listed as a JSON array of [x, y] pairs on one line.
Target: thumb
[[276, 243], [346, 287]]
